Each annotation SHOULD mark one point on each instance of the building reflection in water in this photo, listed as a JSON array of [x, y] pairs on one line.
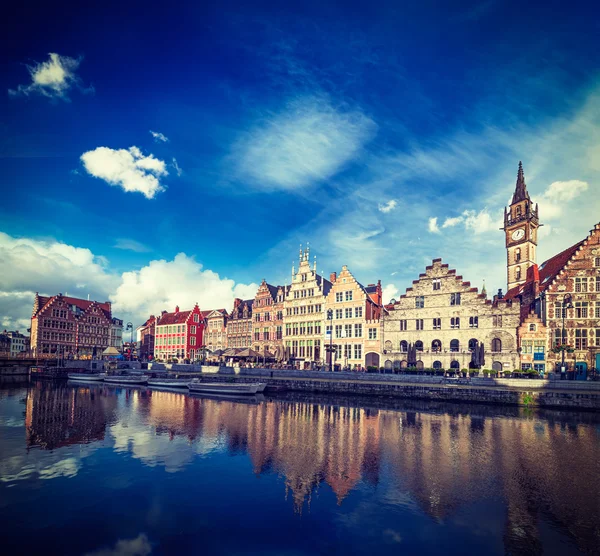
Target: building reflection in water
[[443, 459]]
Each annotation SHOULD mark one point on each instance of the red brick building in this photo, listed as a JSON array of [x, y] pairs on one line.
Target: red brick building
[[239, 324], [69, 326], [268, 318], [146, 338], [179, 335]]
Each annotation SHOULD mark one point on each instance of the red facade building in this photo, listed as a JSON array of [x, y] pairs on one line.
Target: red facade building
[[179, 335]]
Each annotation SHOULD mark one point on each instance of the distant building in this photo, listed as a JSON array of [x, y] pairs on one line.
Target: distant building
[[116, 333], [69, 327], [267, 333], [179, 334], [304, 313], [4, 344], [445, 319], [356, 312], [19, 343], [215, 333], [146, 333], [239, 324]]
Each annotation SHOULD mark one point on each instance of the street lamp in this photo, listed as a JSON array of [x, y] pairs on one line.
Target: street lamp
[[130, 328], [330, 319], [566, 304]]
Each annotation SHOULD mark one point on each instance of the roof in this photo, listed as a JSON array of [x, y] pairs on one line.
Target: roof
[[82, 304], [520, 193], [173, 318], [548, 270], [205, 314]]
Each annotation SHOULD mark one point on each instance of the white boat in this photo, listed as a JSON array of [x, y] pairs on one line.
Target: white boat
[[169, 382], [229, 388], [126, 379], [87, 377], [261, 387]]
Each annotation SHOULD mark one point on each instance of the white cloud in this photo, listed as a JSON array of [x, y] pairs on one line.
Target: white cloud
[[451, 222], [126, 168], [159, 137], [164, 284], [481, 222], [553, 201], [131, 245], [52, 78], [387, 207], [433, 226], [307, 143], [178, 170], [390, 291]]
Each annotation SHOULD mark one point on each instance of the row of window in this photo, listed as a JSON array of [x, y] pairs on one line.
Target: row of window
[[420, 299], [349, 312], [583, 337], [346, 332], [581, 310], [266, 335], [437, 346], [303, 310], [346, 351], [343, 296], [454, 323], [261, 317], [59, 313], [583, 285], [61, 324], [304, 348], [302, 328], [304, 293]]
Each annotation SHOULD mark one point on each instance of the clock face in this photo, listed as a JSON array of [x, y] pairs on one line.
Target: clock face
[[518, 234]]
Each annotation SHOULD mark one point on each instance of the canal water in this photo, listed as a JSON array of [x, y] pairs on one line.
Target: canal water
[[104, 470]]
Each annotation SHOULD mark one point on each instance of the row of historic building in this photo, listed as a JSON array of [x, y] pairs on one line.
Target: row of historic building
[[549, 314]]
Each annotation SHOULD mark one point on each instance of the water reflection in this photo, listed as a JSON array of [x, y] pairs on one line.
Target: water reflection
[[539, 469]]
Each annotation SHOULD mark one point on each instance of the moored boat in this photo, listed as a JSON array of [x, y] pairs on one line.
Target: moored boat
[[126, 379], [169, 382], [87, 377], [225, 388]]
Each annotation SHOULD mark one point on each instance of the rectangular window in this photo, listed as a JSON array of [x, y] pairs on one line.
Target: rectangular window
[[347, 331], [358, 330], [358, 312], [419, 302], [527, 346], [193, 341], [339, 297], [338, 313], [349, 296], [192, 329], [437, 283], [372, 333], [454, 299], [338, 330], [560, 312], [437, 324], [598, 283], [497, 321], [597, 312], [581, 284], [557, 340], [196, 317], [598, 337], [403, 324], [348, 351], [338, 352], [581, 310], [348, 312], [597, 261], [580, 339], [419, 324], [473, 322], [357, 351], [455, 322]]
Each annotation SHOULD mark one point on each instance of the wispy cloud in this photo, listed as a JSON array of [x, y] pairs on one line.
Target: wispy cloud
[[132, 245], [53, 78], [178, 170], [306, 143], [126, 168], [159, 137], [433, 225], [387, 207]]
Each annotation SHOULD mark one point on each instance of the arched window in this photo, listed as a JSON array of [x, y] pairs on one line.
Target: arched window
[[518, 273], [532, 328], [436, 346], [454, 364], [517, 254], [454, 345], [518, 211], [388, 345], [472, 344], [403, 346], [396, 365], [388, 364], [419, 345], [496, 344], [437, 365]]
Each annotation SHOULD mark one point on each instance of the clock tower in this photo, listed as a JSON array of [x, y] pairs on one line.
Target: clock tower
[[521, 225]]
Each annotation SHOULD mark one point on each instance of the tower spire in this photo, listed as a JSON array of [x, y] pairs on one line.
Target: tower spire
[[520, 193]]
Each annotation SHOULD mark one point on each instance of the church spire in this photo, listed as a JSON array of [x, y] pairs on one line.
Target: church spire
[[520, 193]]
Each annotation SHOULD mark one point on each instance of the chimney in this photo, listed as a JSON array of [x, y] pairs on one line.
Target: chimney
[[176, 309], [333, 277]]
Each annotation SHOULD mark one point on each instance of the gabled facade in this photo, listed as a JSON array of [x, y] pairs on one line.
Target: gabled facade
[[267, 333], [146, 335], [356, 313], [69, 326], [445, 318], [215, 333], [239, 324], [179, 334], [304, 313]]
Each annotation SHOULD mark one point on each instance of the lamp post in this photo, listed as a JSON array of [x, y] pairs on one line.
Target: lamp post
[[566, 304], [130, 328], [330, 350]]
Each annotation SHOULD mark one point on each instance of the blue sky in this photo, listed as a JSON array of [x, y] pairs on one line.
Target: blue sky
[[385, 134]]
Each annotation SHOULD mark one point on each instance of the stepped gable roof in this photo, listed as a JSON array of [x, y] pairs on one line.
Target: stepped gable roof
[[82, 304], [548, 270], [174, 318], [222, 311]]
